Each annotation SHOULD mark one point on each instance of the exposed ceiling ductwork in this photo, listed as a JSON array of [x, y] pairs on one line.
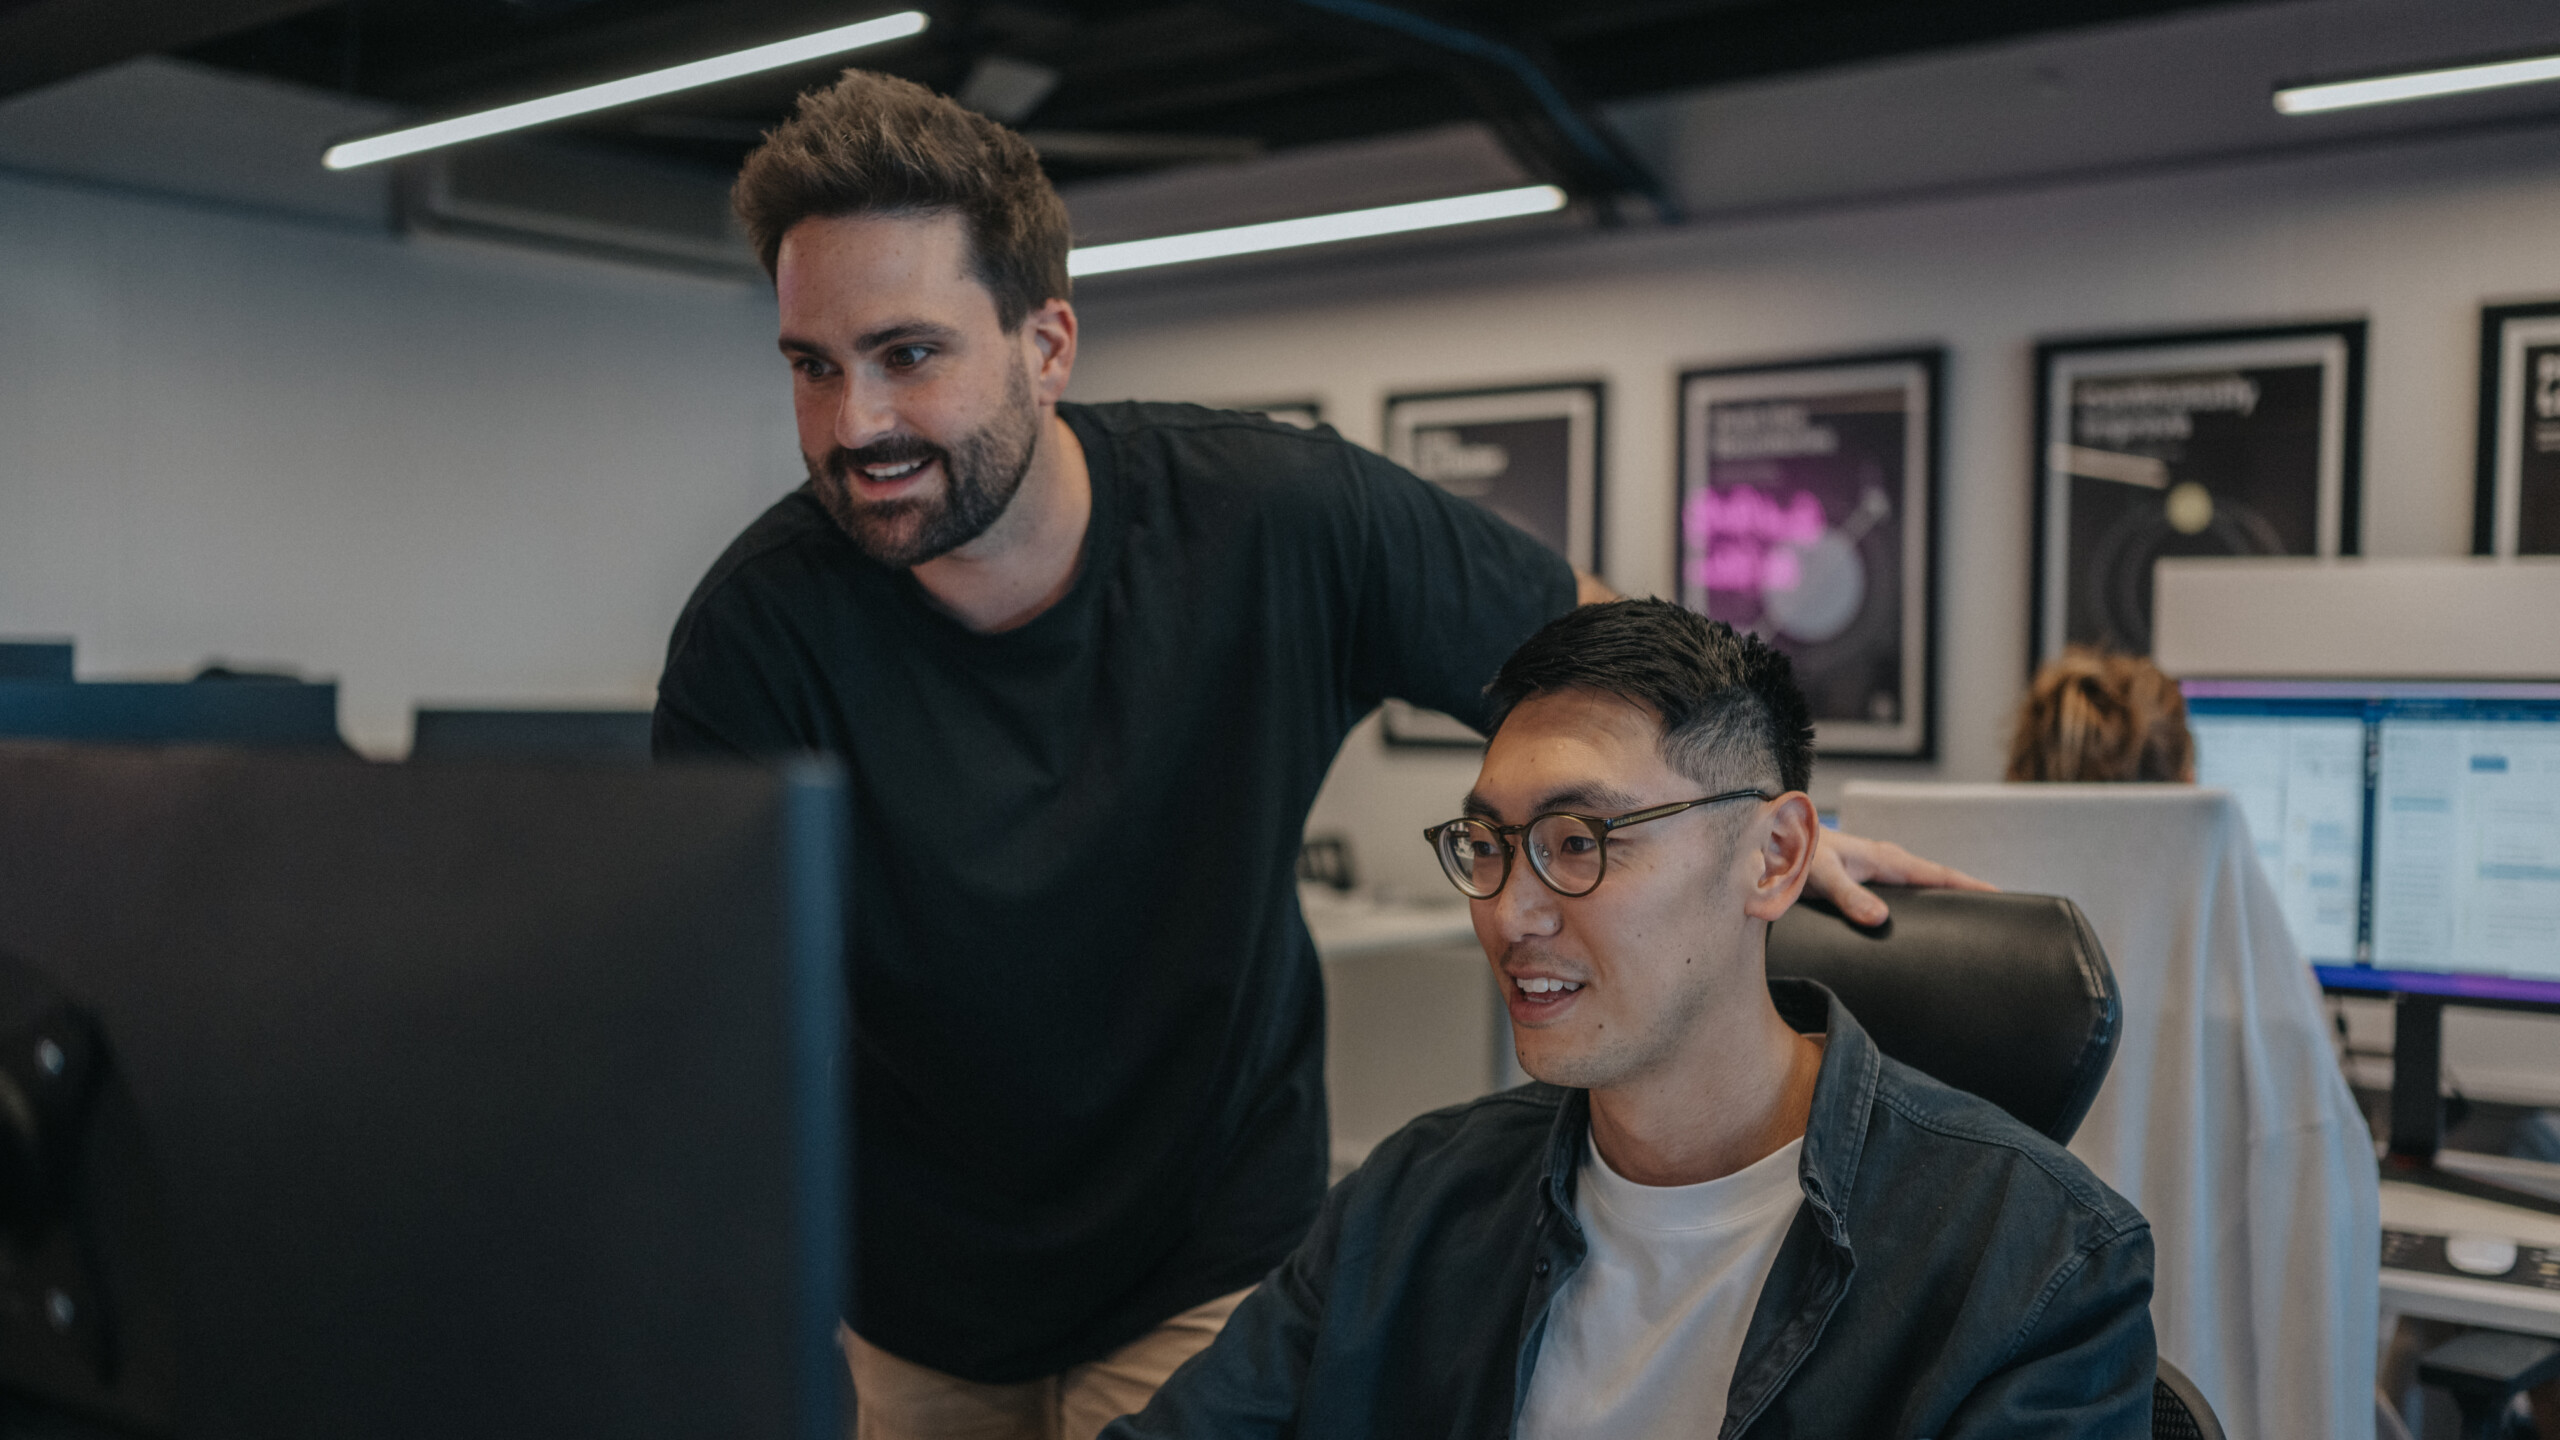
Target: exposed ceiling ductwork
[[1106, 87]]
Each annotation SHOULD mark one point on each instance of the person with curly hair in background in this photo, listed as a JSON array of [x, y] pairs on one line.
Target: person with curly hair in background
[[2098, 715]]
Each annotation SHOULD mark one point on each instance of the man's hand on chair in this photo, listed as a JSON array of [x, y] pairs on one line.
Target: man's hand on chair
[[1844, 865]]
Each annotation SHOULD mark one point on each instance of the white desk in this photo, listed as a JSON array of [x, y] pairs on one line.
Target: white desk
[[2463, 1299], [1412, 1019], [1345, 926]]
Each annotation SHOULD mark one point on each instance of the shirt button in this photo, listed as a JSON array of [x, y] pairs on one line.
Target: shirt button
[[1542, 1267]]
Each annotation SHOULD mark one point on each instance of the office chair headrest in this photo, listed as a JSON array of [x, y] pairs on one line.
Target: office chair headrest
[[2006, 996]]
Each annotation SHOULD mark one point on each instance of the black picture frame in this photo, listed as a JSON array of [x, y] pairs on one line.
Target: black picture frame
[[2223, 495], [1854, 442], [2515, 508], [1558, 496]]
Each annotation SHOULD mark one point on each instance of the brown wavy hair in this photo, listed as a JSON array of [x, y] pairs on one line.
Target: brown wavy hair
[[874, 144], [2097, 715]]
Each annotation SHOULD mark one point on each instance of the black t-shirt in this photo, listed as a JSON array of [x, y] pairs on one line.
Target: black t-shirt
[[1088, 1020]]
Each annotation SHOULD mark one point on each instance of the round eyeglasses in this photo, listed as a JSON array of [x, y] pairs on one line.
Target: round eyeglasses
[[1569, 852]]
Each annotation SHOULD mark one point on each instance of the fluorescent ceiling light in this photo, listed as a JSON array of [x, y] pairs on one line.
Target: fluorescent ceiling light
[[1315, 230], [2416, 85], [623, 92]]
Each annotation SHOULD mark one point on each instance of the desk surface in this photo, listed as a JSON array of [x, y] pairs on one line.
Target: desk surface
[[1345, 926], [2463, 1299]]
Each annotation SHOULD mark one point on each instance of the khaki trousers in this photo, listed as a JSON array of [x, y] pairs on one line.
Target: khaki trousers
[[898, 1399]]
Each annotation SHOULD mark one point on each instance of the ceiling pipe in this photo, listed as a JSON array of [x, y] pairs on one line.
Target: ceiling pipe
[[1557, 138]]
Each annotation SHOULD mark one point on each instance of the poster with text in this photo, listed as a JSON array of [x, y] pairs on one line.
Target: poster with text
[[2517, 506], [1806, 515], [1530, 454], [2236, 442]]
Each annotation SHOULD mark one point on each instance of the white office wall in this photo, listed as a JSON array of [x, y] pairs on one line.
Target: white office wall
[[458, 473], [2414, 236], [436, 472]]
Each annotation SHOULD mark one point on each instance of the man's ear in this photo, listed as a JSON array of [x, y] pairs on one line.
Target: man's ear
[[1052, 332], [1783, 837]]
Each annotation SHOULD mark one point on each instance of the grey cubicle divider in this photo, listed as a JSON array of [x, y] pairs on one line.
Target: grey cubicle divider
[[286, 716], [35, 660], [618, 737]]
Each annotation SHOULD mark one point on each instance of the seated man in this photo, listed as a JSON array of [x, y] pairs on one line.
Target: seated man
[[1723, 1212]]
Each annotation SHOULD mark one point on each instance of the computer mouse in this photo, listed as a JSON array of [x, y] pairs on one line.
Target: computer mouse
[[2480, 1254]]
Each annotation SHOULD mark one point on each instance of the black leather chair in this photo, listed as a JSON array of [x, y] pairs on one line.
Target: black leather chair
[[2006, 996], [2178, 1408]]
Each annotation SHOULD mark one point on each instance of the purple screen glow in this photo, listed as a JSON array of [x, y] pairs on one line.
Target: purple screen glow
[[2451, 985]]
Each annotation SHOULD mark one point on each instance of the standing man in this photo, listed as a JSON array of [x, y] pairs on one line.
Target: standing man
[[1086, 666]]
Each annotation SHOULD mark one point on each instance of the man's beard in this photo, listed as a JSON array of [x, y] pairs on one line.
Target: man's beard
[[980, 475]]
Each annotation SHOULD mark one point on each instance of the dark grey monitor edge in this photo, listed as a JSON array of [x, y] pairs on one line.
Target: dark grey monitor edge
[[815, 820]]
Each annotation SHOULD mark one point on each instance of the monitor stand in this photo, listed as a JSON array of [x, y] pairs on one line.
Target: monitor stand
[[2417, 1110]]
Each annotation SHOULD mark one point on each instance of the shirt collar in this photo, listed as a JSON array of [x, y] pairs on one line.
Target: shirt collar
[[1844, 1091]]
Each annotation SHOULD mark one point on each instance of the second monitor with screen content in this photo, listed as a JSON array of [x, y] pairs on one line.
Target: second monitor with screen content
[[2411, 831], [2466, 839]]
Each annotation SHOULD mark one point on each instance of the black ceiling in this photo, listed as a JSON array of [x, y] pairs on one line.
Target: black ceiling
[[1136, 82]]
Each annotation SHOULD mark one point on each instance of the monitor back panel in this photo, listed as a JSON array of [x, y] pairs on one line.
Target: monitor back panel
[[600, 736], [484, 1100], [290, 716], [48, 660]]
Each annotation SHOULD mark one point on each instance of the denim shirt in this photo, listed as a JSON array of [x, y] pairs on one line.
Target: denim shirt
[[1951, 1273]]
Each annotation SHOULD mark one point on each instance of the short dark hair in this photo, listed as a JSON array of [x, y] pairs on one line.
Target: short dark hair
[[874, 144], [1730, 710]]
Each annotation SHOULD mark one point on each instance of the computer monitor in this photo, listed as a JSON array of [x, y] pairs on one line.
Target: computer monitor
[[2295, 763], [419, 1101], [609, 737], [2412, 833], [272, 716], [35, 660], [2466, 847]]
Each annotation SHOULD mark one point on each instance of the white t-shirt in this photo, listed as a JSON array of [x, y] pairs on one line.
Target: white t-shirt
[[1642, 1340]]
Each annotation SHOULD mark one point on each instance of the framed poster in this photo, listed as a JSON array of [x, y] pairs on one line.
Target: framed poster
[[2516, 505], [1530, 454], [1807, 514], [2228, 442]]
